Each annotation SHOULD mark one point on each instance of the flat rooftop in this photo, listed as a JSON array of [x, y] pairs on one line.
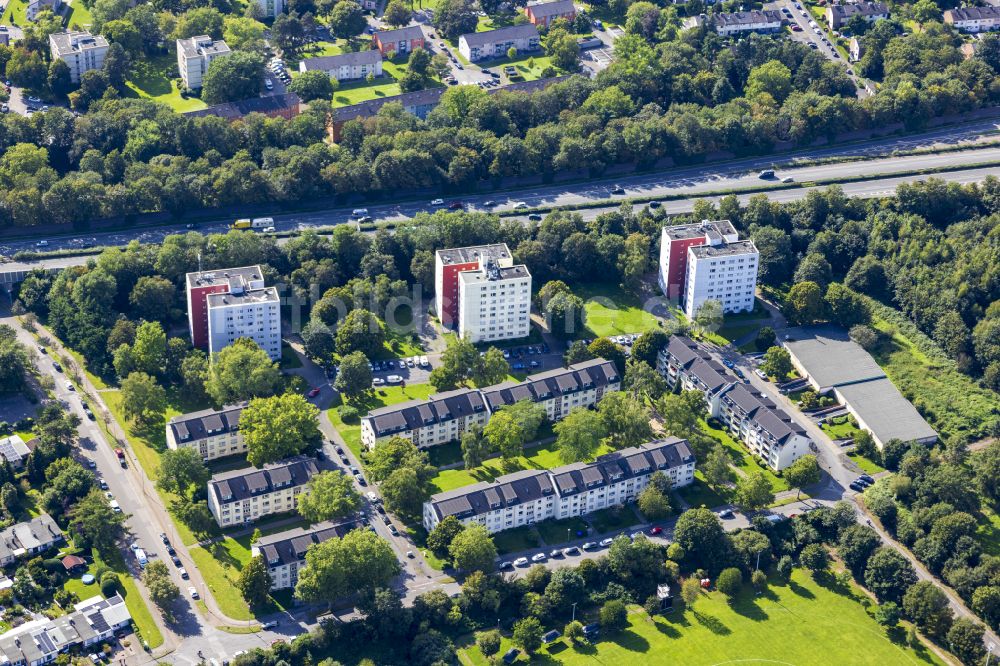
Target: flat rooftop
[[698, 229], [724, 250], [830, 357], [265, 295], [886, 412], [222, 276], [467, 255], [493, 275]]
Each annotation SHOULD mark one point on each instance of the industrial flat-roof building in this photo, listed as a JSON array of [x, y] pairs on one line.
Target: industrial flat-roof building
[[832, 362]]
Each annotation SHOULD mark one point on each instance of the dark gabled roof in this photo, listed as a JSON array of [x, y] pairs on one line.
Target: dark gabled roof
[[557, 8], [483, 497], [249, 482], [973, 13], [863, 8], [409, 33], [291, 545], [208, 422], [561, 381], [523, 31], [529, 485], [437, 408], [685, 351], [748, 18], [268, 105], [710, 375], [326, 63]]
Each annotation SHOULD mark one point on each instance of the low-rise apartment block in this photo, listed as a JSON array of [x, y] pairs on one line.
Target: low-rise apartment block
[[839, 15], [767, 431], [531, 496], [443, 417], [213, 433], [92, 621], [496, 43], [346, 66], [284, 553], [227, 304], [559, 391], [195, 54], [243, 496], [544, 13], [80, 50], [29, 538], [398, 42], [974, 19], [762, 21]]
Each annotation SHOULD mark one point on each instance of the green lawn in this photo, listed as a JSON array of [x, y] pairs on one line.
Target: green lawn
[[612, 519], [542, 457], [742, 458], [611, 311], [79, 15], [354, 92], [988, 532], [289, 359], [516, 540], [555, 532], [442, 454], [839, 427], [385, 396], [14, 13], [156, 79], [529, 66], [730, 333], [803, 623], [699, 493], [867, 466]]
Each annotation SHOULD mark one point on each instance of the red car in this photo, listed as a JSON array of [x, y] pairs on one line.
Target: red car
[[656, 530], [456, 205], [120, 454], [313, 393]]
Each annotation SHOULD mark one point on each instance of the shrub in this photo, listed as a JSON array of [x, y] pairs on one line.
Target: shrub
[[729, 582], [110, 584], [348, 414]]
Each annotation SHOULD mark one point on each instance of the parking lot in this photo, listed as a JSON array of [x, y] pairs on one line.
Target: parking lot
[[411, 370]]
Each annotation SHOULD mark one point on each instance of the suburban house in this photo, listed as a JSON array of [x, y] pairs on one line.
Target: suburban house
[[496, 43], [443, 417], [287, 106], [855, 49], [81, 51], [14, 450], [400, 41], [544, 13], [242, 496], [763, 21], [974, 19], [833, 363], [284, 553], [195, 54], [213, 433], [28, 538], [346, 66], [838, 15], [531, 496], [766, 431], [92, 621], [36, 7]]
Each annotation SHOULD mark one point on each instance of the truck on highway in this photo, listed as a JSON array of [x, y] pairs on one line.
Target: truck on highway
[[257, 223], [242, 223]]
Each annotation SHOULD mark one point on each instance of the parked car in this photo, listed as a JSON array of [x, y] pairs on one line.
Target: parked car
[[867, 479], [856, 487], [571, 550], [521, 562], [506, 565], [538, 557], [607, 542], [193, 593], [590, 545], [437, 202], [556, 554], [656, 530], [314, 392], [726, 513], [183, 572]]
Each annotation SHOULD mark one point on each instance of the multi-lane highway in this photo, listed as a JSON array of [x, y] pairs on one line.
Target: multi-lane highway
[[872, 159]]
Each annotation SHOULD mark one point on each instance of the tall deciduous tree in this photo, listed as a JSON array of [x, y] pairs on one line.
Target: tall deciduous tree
[[329, 495], [254, 582], [142, 398], [354, 377], [803, 472], [182, 471], [242, 371], [278, 427], [625, 419], [339, 567], [472, 549], [578, 436], [753, 492]]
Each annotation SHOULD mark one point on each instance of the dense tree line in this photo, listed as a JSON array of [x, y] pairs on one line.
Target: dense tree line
[[688, 96]]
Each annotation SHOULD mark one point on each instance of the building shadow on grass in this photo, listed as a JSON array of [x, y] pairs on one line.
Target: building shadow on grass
[[631, 641]]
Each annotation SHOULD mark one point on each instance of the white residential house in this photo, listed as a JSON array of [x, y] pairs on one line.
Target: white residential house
[[346, 66], [246, 495], [496, 43], [14, 450], [195, 54], [80, 50], [531, 496], [450, 264], [284, 553], [441, 418], [974, 19], [838, 15], [29, 538], [213, 433]]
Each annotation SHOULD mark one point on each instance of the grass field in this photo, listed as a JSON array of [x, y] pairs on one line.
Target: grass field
[[155, 79], [542, 457], [839, 427], [988, 532], [383, 397], [529, 66], [560, 531], [79, 15], [516, 540], [387, 85], [803, 623], [611, 311], [699, 493], [867, 466], [14, 13]]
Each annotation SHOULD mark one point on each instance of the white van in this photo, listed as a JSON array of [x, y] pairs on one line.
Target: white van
[[115, 506], [424, 363], [140, 557]]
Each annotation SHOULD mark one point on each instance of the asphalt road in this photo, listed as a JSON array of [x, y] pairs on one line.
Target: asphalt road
[[688, 181]]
